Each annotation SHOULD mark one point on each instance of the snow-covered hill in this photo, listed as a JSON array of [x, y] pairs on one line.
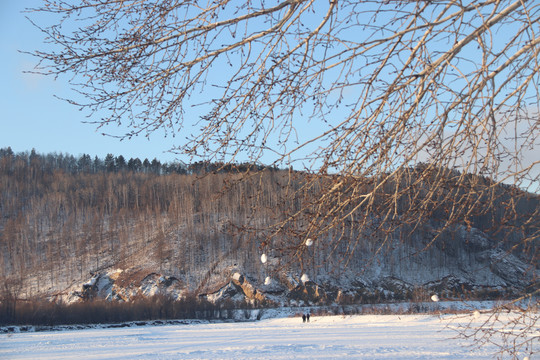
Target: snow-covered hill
[[74, 235]]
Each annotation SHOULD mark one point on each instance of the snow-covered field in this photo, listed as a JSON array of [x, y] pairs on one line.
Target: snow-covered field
[[329, 337]]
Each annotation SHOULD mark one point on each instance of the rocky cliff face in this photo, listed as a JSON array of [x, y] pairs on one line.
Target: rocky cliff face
[[472, 268]]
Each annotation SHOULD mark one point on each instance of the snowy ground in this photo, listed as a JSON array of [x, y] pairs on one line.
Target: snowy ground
[[345, 337]]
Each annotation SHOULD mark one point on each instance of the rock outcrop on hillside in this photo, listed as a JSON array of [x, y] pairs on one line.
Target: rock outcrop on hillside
[[124, 285], [472, 270]]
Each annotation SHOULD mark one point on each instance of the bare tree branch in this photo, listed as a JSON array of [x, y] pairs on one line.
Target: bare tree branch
[[398, 111]]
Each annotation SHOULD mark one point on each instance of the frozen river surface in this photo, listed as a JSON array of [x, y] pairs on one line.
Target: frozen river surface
[[331, 337]]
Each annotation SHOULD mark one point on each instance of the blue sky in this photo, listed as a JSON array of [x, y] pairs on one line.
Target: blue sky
[[32, 117]]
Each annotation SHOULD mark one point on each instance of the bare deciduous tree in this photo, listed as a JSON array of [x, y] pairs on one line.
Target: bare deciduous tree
[[423, 108]]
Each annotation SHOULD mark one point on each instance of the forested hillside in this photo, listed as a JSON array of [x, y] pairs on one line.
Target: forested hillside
[[66, 220]]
